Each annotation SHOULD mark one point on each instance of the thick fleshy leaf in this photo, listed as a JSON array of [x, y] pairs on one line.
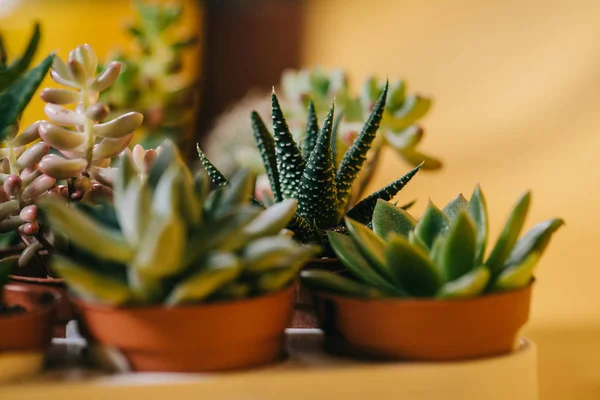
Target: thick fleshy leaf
[[458, 251], [413, 108], [272, 220], [9, 73], [266, 147], [120, 126], [62, 168], [349, 254], [388, 218], [371, 246], [519, 275], [312, 131], [411, 267], [455, 207], [61, 138], [535, 240], [218, 270], [276, 280], [328, 281], [215, 175], [415, 157], [238, 191], [509, 236], [468, 285], [432, 224], [478, 211], [109, 148], [134, 211], [268, 253]]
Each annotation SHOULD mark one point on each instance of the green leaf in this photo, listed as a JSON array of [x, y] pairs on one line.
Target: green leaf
[[349, 254], [519, 275], [388, 218], [413, 108], [9, 74], [290, 163], [411, 267], [238, 191], [455, 207], [134, 211], [16, 97], [334, 136], [432, 224], [272, 220], [363, 211], [468, 285], [509, 236], [317, 196], [458, 252], [357, 154], [215, 175], [404, 139], [328, 281], [266, 147], [267, 253], [312, 131], [415, 157], [85, 232], [218, 270], [478, 212], [90, 285], [371, 246], [276, 280], [162, 162], [535, 240]]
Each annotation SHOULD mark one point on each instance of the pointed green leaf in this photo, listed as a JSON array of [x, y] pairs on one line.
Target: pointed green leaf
[[15, 98], [357, 154], [509, 236], [535, 240], [478, 211], [9, 74], [238, 191], [312, 131], [328, 281], [266, 147], [275, 280], [519, 275], [215, 175], [458, 253], [363, 211], [290, 163], [267, 253], [334, 136], [468, 285], [349, 254], [317, 197], [388, 218], [371, 246], [411, 267], [432, 224], [455, 207], [272, 220]]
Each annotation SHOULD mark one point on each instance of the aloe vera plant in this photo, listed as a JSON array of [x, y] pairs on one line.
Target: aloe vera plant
[[230, 145], [441, 255], [168, 240], [310, 173]]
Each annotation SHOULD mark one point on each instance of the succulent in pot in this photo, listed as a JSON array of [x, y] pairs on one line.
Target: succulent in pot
[[208, 273], [424, 289]]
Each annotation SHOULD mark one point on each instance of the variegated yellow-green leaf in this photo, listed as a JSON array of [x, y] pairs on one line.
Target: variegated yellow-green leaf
[[388, 218], [328, 281], [272, 220], [469, 285], [135, 211], [268, 253], [536, 240], [518, 275], [276, 279]]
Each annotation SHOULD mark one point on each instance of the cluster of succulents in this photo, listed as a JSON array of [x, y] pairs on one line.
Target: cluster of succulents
[[152, 82], [230, 145], [312, 175], [442, 255], [167, 239]]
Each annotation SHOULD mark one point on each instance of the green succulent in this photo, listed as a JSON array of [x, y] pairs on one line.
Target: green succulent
[[11, 72], [310, 173], [441, 255], [168, 240]]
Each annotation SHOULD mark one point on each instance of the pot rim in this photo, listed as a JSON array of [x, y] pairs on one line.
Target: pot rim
[[424, 302], [98, 307], [32, 279], [40, 308]]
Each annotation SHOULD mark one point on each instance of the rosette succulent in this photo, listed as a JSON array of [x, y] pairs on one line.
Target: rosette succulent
[[230, 143], [442, 255], [310, 173], [168, 240]]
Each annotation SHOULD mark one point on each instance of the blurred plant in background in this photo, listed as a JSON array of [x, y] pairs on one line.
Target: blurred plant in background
[[152, 81], [230, 144]]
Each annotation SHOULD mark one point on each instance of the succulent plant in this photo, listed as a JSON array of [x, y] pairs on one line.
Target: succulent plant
[[152, 81], [11, 72], [442, 255], [311, 175], [167, 240], [86, 142], [229, 143]]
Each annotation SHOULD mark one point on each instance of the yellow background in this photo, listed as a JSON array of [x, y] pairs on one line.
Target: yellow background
[[516, 88]]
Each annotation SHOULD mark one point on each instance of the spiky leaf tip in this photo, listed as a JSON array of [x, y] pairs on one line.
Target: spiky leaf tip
[[266, 147], [215, 175], [357, 154], [290, 163]]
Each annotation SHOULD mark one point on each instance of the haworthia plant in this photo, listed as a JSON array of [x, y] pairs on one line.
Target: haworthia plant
[[441, 255], [168, 240], [310, 174]]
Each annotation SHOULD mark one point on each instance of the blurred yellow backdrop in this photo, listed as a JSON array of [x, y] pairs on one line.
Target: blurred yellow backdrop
[[516, 88], [68, 23]]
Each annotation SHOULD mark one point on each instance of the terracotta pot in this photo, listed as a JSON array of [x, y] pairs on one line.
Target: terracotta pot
[[33, 274], [32, 329], [427, 330], [304, 313], [195, 338]]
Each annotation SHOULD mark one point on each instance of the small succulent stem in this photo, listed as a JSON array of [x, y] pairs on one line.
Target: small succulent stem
[[88, 128], [42, 239], [37, 255]]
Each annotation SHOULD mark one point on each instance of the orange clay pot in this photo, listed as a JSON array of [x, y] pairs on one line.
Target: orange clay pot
[[424, 330], [32, 329], [195, 338], [304, 313], [33, 274]]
